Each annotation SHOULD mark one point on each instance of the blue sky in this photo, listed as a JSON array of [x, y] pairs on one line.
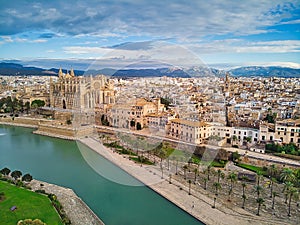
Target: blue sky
[[182, 33]]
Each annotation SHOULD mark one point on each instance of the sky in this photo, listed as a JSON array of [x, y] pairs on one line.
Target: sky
[[97, 33]]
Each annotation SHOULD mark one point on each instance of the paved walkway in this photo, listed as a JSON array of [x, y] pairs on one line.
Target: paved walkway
[[197, 204], [256, 155], [78, 212]]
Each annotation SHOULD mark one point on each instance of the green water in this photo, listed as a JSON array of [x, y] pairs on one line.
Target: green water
[[60, 162]]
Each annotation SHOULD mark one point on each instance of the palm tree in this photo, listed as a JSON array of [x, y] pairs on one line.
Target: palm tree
[[205, 183], [244, 200], [259, 201], [244, 185], [196, 173], [190, 183], [185, 167], [273, 170], [170, 178], [271, 186], [286, 175], [291, 192], [258, 176], [214, 205], [258, 190], [287, 186], [221, 175], [297, 176], [232, 177], [217, 186], [208, 170], [162, 171], [274, 194]]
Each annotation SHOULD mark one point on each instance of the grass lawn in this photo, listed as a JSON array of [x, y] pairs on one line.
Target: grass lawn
[[252, 168], [30, 205]]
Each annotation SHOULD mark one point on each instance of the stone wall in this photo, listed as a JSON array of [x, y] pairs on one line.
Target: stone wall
[[26, 121]]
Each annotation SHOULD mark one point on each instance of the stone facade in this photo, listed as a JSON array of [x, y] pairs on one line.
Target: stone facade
[[79, 98]]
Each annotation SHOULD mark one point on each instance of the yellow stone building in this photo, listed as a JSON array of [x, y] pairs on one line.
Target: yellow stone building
[[80, 98]]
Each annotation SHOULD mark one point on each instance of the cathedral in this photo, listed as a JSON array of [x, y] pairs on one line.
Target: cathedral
[[80, 98]]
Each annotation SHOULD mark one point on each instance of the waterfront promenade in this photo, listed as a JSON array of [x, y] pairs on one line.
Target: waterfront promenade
[[196, 204]]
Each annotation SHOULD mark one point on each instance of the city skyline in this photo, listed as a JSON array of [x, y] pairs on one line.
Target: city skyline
[[119, 33]]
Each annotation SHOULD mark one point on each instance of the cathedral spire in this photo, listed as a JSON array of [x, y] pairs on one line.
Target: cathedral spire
[[60, 73], [72, 73]]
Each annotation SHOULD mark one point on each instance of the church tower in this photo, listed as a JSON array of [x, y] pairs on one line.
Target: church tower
[[60, 73], [72, 73]]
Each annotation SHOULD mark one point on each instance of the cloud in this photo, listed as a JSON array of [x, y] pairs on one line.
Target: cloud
[[6, 38], [244, 46], [47, 35], [291, 22], [177, 19]]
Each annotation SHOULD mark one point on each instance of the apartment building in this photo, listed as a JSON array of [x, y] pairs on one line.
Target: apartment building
[[194, 132]]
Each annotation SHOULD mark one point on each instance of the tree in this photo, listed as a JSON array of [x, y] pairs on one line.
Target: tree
[[205, 183], [185, 167], [37, 103], [16, 174], [273, 199], [217, 186], [170, 178], [196, 173], [259, 201], [271, 186], [258, 190], [244, 200], [27, 107], [235, 156], [287, 175], [5, 171], [220, 175], [233, 178], [287, 186], [27, 177], [214, 205], [208, 171], [273, 170], [244, 185], [292, 192], [258, 177]]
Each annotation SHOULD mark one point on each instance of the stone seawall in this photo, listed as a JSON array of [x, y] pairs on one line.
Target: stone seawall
[[78, 212]]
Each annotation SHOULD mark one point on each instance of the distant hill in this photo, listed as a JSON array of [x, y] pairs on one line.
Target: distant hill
[[15, 69], [271, 71]]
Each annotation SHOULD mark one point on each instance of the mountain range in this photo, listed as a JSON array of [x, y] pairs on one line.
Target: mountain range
[[15, 69]]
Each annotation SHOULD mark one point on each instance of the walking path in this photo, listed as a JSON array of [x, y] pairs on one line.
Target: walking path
[[78, 212], [196, 204]]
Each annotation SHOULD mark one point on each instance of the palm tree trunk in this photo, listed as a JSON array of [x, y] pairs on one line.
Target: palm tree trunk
[[258, 209], [244, 200], [290, 200], [214, 205], [271, 189]]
